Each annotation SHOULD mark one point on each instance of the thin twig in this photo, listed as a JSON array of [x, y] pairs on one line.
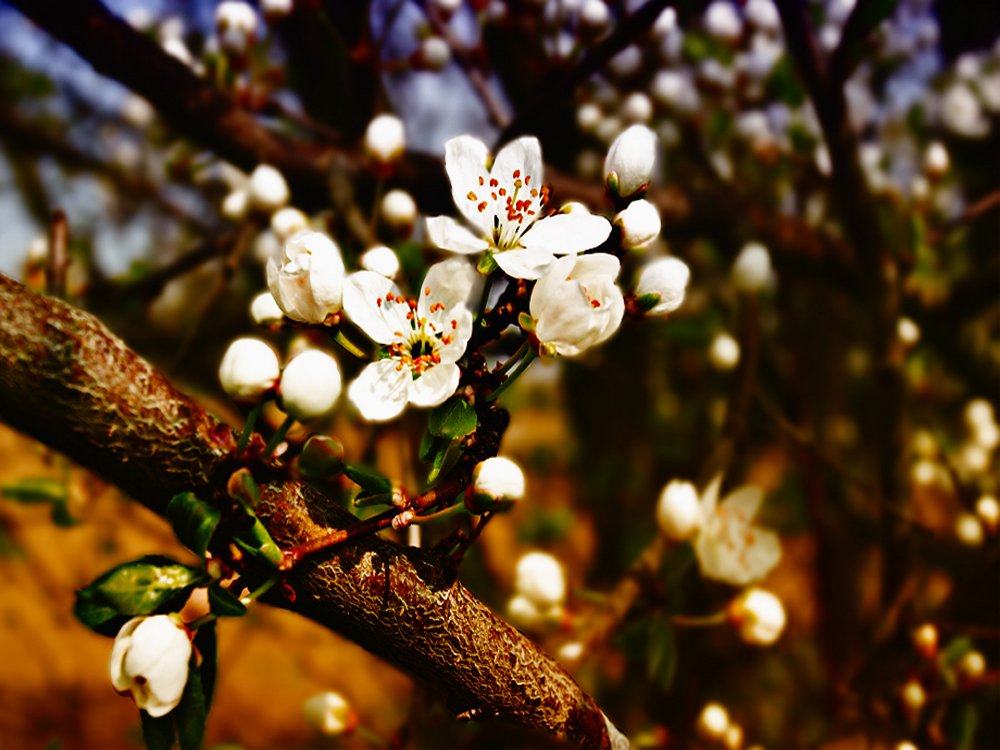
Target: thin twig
[[55, 272]]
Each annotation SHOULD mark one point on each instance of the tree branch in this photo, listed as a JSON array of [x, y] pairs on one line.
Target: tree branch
[[69, 383]]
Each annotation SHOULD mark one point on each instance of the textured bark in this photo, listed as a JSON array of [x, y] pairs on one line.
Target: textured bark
[[69, 383]]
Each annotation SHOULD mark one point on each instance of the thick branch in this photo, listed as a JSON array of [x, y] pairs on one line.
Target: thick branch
[[66, 381]]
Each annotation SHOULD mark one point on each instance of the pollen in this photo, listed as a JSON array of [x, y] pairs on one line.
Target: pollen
[[471, 196], [427, 291], [595, 303], [379, 302], [481, 206], [517, 173]]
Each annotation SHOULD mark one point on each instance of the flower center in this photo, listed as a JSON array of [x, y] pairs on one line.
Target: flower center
[[419, 347], [514, 203]]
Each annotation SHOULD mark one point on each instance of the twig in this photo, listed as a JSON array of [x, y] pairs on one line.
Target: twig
[[55, 272]]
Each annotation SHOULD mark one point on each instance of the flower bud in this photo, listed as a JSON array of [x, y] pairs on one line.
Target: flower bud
[[309, 284], [540, 579], [330, 714], [264, 311], [287, 222], [936, 160], [523, 613], [595, 14], [722, 21], [972, 666], [679, 511], [236, 204], [913, 696], [275, 9], [399, 211], [640, 224], [907, 331], [661, 285], [978, 412], [382, 260], [988, 510], [724, 352], [496, 480], [434, 53], [758, 615], [732, 739], [925, 640], [236, 22], [752, 271], [637, 108], [267, 189], [149, 661], [322, 457], [385, 139], [249, 369], [629, 163], [968, 530], [310, 385], [713, 721]]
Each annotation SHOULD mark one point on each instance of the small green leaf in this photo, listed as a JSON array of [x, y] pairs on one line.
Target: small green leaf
[[368, 479], [102, 618], [243, 488], [487, 264], [35, 490], [322, 457], [955, 650], [365, 499], [223, 603], [454, 419], [526, 322], [194, 521], [61, 516], [438, 460]]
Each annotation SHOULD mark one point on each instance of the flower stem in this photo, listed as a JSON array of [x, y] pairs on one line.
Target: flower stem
[[699, 621], [203, 620], [483, 299], [278, 436], [262, 589], [528, 359], [453, 510], [371, 737], [348, 345], [248, 428], [512, 359]]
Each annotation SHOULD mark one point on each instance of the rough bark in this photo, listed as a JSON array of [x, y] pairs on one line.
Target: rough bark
[[68, 382]]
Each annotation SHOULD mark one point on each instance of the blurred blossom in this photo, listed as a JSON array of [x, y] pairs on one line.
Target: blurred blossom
[[663, 281], [236, 22], [627, 62], [249, 369], [628, 166], [267, 189], [310, 385], [539, 577], [399, 210], [330, 714], [713, 721], [498, 480], [639, 224], [676, 89], [637, 108], [264, 310], [962, 114], [723, 21], [752, 270], [381, 259], [968, 530], [678, 511], [287, 222], [758, 616], [988, 510], [724, 352]]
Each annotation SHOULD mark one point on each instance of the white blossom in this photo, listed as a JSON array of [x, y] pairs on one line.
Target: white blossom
[[724, 352], [936, 160], [588, 117], [424, 337], [764, 15], [595, 14], [399, 210], [498, 479], [676, 89], [640, 224], [385, 138], [730, 547], [629, 163], [962, 113], [236, 204], [988, 510], [236, 22], [723, 21], [505, 205], [663, 281], [287, 222], [264, 310], [382, 260], [308, 285], [972, 665], [758, 615], [713, 721], [330, 714], [637, 108], [576, 304], [435, 53], [678, 511], [627, 62], [274, 9], [752, 270], [969, 530], [539, 577], [310, 385], [149, 661], [249, 369], [267, 189]]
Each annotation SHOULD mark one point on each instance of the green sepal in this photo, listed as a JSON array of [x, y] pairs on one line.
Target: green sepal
[[369, 480], [223, 603], [453, 419], [141, 587], [322, 457], [487, 264], [526, 322], [647, 302], [193, 521]]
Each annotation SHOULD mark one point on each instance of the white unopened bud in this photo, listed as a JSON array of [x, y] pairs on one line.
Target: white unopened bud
[[627, 62], [661, 284], [752, 270], [758, 616], [382, 260], [498, 479], [637, 108], [595, 14], [722, 21], [907, 331], [149, 661], [713, 721], [640, 224], [977, 412], [925, 640], [913, 696], [385, 139], [330, 714], [288, 221], [676, 89], [733, 738], [267, 189], [236, 204], [523, 613], [310, 385], [309, 281], [264, 311], [236, 22], [399, 210], [678, 511], [968, 530], [764, 15], [588, 117], [249, 369], [936, 160], [629, 163], [435, 53], [972, 665], [724, 352], [988, 510], [540, 579], [275, 9]]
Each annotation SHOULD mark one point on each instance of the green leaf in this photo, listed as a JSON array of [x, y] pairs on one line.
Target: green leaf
[[223, 603], [661, 646], [454, 419], [159, 733], [369, 480], [191, 713], [95, 614], [955, 650], [194, 521], [207, 642], [35, 490], [963, 726], [243, 488], [438, 460], [61, 516]]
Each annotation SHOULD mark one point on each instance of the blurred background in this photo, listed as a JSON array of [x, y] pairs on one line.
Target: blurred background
[[808, 374]]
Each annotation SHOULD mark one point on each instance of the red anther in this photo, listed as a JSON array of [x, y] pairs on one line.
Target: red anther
[[493, 183], [471, 196], [481, 206], [517, 173], [595, 303], [379, 302]]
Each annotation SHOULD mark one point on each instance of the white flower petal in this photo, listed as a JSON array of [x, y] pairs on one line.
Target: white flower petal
[[567, 233], [523, 156], [710, 497], [449, 283], [526, 263], [435, 385], [381, 391], [465, 162], [744, 502], [366, 305], [448, 234], [460, 333], [326, 279], [589, 269]]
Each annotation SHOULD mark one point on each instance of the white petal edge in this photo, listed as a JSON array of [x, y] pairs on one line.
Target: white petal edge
[[435, 385], [465, 162], [362, 290], [447, 234], [567, 233], [525, 263], [381, 391]]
